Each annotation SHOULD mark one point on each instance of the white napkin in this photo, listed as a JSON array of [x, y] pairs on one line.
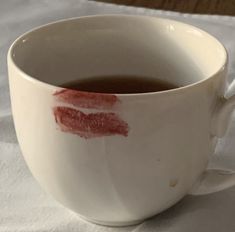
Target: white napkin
[[24, 206]]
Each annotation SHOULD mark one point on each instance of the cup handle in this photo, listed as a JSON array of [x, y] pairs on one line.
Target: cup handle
[[222, 116], [214, 180]]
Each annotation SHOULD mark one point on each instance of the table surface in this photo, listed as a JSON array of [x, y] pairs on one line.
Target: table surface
[[221, 7]]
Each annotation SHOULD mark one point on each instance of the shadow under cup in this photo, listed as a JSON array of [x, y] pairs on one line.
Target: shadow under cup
[[119, 45], [116, 178]]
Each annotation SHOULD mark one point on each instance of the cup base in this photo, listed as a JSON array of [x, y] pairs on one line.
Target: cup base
[[112, 224]]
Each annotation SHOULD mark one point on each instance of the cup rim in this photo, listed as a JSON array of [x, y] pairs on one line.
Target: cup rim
[[52, 87]]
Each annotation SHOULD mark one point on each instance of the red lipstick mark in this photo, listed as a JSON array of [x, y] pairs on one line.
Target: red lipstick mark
[[86, 99], [89, 125]]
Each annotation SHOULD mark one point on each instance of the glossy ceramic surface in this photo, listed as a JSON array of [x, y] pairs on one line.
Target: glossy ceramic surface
[[118, 159]]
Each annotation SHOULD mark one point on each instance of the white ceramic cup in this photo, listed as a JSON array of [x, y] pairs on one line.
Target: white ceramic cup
[[117, 159]]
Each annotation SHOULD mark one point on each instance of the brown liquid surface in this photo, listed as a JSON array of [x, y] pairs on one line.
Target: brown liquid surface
[[119, 84]]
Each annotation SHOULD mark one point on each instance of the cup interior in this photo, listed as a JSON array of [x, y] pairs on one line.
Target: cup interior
[[118, 45]]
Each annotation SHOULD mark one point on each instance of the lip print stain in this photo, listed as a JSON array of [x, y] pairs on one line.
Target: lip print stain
[[88, 125], [86, 99]]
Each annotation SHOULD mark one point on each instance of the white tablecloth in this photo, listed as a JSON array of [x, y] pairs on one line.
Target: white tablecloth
[[24, 206]]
